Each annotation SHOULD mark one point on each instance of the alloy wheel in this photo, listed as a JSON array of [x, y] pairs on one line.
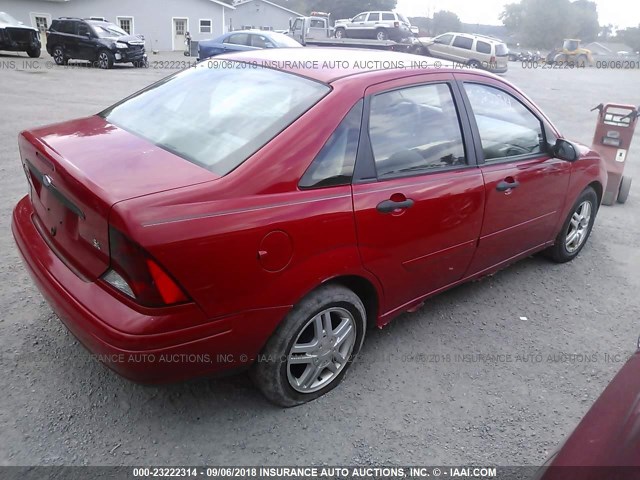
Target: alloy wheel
[[321, 350], [103, 60], [58, 56], [578, 227]]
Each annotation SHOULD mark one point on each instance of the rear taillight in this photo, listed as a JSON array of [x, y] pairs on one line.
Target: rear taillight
[[136, 274], [492, 60]]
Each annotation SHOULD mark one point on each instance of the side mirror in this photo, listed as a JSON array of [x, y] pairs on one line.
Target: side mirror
[[565, 150]]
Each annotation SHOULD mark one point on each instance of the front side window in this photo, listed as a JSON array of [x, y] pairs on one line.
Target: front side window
[[334, 164], [297, 25], [260, 41], [216, 116], [463, 42], [415, 130], [83, 29], [444, 39], [360, 18], [507, 128]]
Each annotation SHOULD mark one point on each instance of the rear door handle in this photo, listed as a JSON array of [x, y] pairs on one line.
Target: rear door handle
[[389, 206], [505, 185]]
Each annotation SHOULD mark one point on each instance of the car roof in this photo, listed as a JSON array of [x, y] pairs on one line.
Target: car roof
[[484, 38], [326, 64]]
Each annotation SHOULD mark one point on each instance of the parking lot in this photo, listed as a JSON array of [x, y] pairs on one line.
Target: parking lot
[[496, 372]]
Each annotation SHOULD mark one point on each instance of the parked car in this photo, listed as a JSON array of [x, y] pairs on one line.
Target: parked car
[[94, 40], [607, 436], [244, 40], [230, 217], [477, 51], [17, 37], [378, 25]]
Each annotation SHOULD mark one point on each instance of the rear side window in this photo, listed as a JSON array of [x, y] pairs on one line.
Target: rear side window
[[374, 17], [501, 50], [463, 42], [334, 164], [415, 130], [483, 47], [67, 27], [238, 39], [388, 16], [216, 115]]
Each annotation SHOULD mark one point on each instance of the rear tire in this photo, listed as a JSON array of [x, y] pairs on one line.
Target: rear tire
[[474, 64], [382, 34], [625, 187], [59, 56], [290, 376], [34, 52], [576, 229], [341, 33]]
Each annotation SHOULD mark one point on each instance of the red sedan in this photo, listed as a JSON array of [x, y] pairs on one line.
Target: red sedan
[[263, 211]]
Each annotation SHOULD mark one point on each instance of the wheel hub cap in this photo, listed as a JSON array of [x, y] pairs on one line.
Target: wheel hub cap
[[321, 350], [578, 227]]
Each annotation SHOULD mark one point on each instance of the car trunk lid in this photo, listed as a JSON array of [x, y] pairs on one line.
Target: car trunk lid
[[78, 170]]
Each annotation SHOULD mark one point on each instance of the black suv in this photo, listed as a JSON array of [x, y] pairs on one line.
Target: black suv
[[102, 43]]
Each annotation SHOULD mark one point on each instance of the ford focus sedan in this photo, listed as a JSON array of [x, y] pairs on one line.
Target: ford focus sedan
[[263, 211]]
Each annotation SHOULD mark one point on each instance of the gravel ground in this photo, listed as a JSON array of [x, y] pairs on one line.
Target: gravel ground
[[410, 399]]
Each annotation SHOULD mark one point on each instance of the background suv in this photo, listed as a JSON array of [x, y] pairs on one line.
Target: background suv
[[97, 41], [477, 51], [378, 25]]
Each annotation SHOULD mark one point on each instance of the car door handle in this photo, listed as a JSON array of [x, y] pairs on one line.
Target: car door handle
[[508, 184], [389, 206]]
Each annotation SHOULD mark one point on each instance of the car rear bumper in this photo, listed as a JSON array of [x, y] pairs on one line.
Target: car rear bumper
[[92, 313]]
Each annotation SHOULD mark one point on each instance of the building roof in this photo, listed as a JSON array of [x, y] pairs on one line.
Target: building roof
[[242, 2], [226, 5], [330, 64]]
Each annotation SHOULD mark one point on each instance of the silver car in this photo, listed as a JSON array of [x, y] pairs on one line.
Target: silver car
[[378, 25], [477, 51]]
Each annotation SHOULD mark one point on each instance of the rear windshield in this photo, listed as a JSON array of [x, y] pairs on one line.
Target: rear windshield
[[217, 115], [501, 50]]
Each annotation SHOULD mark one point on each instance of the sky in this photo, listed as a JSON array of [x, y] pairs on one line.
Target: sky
[[623, 13]]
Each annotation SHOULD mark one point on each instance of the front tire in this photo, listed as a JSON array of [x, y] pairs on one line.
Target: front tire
[[311, 350], [341, 33], [105, 59], [576, 229]]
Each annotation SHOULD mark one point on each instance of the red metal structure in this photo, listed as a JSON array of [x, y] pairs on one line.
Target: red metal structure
[[612, 139]]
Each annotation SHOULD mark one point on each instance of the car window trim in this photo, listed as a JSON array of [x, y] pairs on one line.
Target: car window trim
[[365, 169], [476, 130]]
